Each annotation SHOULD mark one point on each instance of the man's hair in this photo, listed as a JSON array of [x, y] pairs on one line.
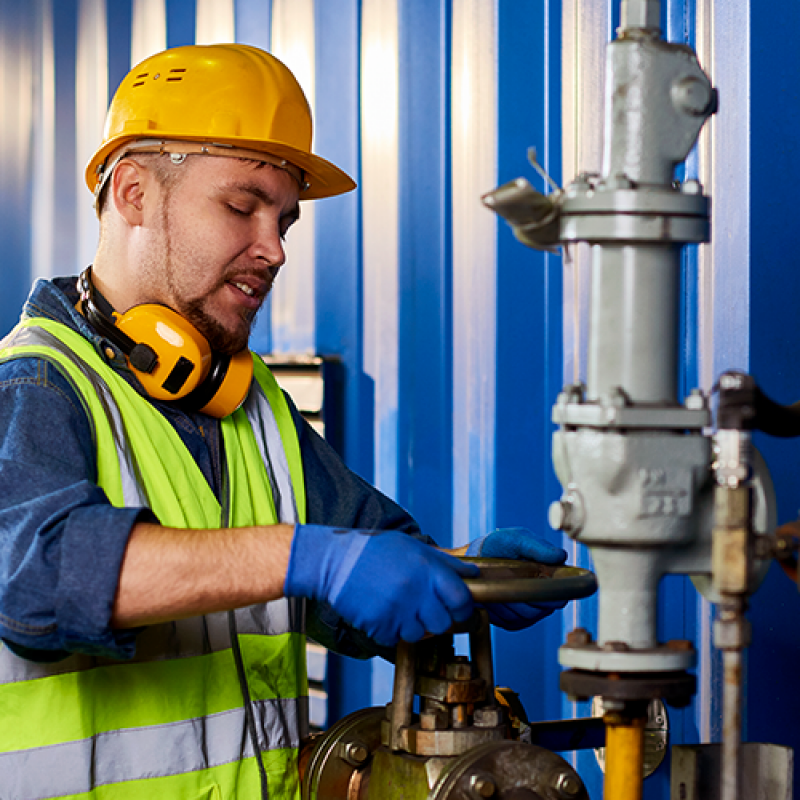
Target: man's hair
[[167, 174]]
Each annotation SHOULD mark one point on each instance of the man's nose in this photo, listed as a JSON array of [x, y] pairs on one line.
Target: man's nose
[[268, 245]]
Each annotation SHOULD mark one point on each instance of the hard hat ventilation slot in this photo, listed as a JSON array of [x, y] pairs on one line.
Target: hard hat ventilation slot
[[140, 79], [176, 77]]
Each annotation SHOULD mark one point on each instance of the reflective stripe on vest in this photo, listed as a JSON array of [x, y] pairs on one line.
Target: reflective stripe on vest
[[182, 679]]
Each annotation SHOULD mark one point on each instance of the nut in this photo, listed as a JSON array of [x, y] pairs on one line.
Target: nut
[[488, 717], [579, 636], [458, 669]]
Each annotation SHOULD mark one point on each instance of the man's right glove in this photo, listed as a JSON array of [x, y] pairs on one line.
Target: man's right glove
[[385, 583]]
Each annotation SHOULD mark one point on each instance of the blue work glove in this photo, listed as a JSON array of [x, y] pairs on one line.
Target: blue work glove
[[519, 543], [385, 583]]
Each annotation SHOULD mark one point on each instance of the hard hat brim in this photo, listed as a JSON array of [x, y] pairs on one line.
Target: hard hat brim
[[323, 178]]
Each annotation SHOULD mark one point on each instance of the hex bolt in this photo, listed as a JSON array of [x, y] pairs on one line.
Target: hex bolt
[[355, 753], [459, 669], [567, 514], [558, 515], [433, 720], [695, 401], [692, 186], [567, 785], [579, 636], [619, 181], [482, 786], [691, 95]]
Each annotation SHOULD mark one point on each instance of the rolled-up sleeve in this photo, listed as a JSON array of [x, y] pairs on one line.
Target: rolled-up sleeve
[[61, 541]]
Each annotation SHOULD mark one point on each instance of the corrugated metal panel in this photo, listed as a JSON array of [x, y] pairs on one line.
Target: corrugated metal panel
[[18, 57], [474, 171], [91, 102], [771, 175], [425, 372], [529, 328]]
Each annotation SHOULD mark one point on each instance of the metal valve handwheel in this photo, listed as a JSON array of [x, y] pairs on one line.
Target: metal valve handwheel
[[510, 581]]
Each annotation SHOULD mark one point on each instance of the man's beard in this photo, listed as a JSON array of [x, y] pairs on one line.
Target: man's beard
[[219, 339]]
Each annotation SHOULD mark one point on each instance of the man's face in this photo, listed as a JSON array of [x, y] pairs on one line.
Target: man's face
[[219, 245]]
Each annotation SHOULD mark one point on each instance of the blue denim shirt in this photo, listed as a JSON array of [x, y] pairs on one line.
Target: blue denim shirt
[[62, 542]]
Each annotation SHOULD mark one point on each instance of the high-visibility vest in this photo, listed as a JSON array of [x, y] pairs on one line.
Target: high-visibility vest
[[173, 721]]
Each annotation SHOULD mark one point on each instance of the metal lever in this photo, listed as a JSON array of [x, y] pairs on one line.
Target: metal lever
[[508, 581]]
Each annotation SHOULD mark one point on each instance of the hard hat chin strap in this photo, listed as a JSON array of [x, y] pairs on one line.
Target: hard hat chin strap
[[178, 150]]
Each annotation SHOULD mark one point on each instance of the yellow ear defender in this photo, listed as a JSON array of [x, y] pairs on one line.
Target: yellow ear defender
[[170, 357]]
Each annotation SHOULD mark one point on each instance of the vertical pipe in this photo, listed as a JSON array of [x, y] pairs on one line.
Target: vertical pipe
[[403, 695], [731, 723], [633, 338], [624, 757], [480, 646]]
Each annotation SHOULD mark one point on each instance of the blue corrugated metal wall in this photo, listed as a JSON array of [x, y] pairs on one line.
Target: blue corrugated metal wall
[[479, 345]]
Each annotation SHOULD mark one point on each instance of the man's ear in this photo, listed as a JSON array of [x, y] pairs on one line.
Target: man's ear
[[127, 190]]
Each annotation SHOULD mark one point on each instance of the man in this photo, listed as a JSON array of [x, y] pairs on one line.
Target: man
[[165, 513]]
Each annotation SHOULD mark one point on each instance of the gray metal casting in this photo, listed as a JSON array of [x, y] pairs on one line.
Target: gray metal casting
[[634, 462]]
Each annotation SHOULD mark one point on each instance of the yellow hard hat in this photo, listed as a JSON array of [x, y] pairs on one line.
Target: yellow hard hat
[[230, 97]]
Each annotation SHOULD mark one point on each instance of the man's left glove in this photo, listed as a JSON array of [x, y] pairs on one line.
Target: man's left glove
[[518, 543]]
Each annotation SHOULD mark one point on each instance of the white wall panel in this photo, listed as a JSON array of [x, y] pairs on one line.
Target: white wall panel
[[215, 21], [723, 47], [149, 34], [293, 309], [379, 190], [474, 154], [585, 31]]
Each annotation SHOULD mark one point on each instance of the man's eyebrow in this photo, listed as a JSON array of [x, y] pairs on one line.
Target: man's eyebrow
[[259, 193]]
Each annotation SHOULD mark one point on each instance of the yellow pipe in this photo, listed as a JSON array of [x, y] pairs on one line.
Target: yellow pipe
[[624, 757]]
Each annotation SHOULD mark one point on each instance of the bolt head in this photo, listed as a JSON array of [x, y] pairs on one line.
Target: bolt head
[[356, 753], [692, 186], [488, 717], [567, 785], [482, 786], [695, 401], [691, 95], [619, 181], [558, 515]]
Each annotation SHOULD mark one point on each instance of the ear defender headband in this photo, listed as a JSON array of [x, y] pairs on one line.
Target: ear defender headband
[[170, 357]]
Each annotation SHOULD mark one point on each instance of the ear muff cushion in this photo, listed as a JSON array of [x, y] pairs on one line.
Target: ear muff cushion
[[231, 386]]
